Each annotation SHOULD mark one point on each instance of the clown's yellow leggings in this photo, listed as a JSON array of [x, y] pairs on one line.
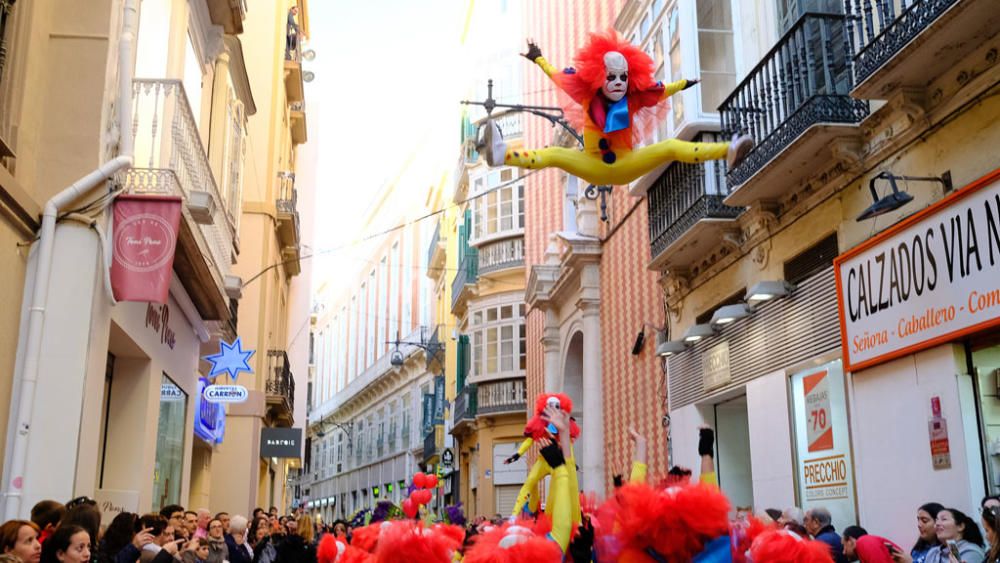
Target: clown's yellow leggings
[[627, 166]]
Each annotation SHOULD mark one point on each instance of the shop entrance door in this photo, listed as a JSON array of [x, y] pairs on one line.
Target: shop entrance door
[[732, 452]]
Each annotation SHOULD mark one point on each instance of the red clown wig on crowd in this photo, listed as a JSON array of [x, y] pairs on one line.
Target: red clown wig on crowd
[[523, 542], [780, 546], [584, 82], [536, 427]]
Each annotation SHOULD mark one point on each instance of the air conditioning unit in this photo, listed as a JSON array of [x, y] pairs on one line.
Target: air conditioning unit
[[201, 205], [233, 286]]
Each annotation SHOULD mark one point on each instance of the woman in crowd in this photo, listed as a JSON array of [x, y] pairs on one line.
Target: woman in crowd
[[991, 524], [298, 546], [258, 532], [70, 544], [236, 541], [20, 539], [341, 529], [952, 525], [927, 540], [217, 550]]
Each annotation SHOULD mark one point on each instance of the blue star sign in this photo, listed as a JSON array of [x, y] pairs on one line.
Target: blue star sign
[[231, 358]]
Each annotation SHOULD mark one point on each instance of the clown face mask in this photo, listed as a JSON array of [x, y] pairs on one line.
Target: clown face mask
[[616, 76]]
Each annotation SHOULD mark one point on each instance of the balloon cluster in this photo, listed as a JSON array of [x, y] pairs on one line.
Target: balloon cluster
[[421, 495]]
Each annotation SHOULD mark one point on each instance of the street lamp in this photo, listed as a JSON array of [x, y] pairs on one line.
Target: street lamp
[[556, 116], [896, 198], [432, 347]]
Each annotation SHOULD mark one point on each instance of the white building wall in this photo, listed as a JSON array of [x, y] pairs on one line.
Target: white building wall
[[771, 458]]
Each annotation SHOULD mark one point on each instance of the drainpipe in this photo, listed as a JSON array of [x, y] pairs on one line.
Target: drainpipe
[[39, 298]]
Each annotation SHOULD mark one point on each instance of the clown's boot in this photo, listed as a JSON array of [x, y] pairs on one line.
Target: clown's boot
[[739, 148], [491, 146]]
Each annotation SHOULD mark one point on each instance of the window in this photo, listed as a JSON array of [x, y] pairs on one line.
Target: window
[[394, 267], [381, 433], [340, 446], [352, 344], [235, 150], [359, 442], [383, 298], [406, 417], [716, 53], [192, 80], [498, 210], [498, 340], [674, 49], [169, 444], [372, 321]]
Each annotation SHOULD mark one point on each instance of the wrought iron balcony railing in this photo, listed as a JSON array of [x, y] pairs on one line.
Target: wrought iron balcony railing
[[879, 29], [497, 397], [170, 159], [683, 195], [802, 81], [431, 443], [465, 405], [468, 273], [501, 255], [280, 386]]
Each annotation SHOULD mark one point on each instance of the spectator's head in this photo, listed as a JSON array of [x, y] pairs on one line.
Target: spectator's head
[[191, 521], [174, 513], [990, 517], [216, 530], [201, 552], [84, 514], [304, 527], [257, 513], [20, 539], [158, 526], [47, 514], [991, 500], [224, 518], [273, 511], [238, 526], [953, 524], [850, 539], [340, 528], [70, 543], [119, 534], [261, 528], [791, 515], [926, 519], [816, 519], [204, 517]]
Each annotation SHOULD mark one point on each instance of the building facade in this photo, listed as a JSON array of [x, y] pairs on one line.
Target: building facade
[[814, 402]]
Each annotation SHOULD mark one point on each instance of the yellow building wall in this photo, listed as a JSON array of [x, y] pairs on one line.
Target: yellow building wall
[[489, 432]]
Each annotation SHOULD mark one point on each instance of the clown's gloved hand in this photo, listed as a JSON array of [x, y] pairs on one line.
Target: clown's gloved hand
[[689, 82], [582, 546], [553, 455], [533, 51], [512, 459], [706, 442]]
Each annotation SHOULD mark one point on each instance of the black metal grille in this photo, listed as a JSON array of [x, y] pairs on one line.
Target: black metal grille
[[816, 258], [878, 31], [683, 195], [805, 79], [280, 381]]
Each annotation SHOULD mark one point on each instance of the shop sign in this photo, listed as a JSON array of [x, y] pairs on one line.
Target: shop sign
[[159, 319], [447, 457], [929, 279], [281, 442], [823, 452], [170, 393], [111, 502], [428, 413], [209, 418], [144, 241], [937, 427], [439, 399], [715, 366], [226, 393], [231, 359]]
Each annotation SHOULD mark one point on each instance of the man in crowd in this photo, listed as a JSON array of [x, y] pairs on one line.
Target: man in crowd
[[859, 545], [236, 541], [224, 518], [204, 517], [163, 537], [191, 523], [819, 523], [174, 513], [46, 515]]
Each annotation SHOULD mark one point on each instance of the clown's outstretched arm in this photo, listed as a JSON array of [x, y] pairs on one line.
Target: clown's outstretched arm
[[521, 450], [706, 449], [534, 55], [639, 466]]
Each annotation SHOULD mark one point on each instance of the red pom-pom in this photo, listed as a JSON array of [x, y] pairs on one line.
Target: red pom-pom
[[355, 555], [422, 497], [409, 508], [366, 537], [418, 480], [525, 544], [328, 550], [430, 481], [780, 546], [404, 540]]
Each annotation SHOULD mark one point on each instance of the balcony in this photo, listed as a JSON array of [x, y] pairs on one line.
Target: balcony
[[464, 283], [294, 85], [286, 204], [280, 388], [297, 122], [501, 397], [170, 160], [686, 213], [436, 253], [229, 14], [433, 444], [501, 256], [796, 104], [909, 43], [463, 410]]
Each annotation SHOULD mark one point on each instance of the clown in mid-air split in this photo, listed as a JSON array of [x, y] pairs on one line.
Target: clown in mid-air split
[[613, 84]]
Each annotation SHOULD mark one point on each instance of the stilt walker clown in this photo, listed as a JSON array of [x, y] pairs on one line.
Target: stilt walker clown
[[537, 428], [613, 84]]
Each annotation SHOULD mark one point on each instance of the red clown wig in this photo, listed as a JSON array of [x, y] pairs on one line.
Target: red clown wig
[[780, 546], [536, 427], [533, 546], [405, 540], [583, 84]]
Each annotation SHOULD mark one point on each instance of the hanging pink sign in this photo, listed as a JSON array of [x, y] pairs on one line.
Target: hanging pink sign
[[145, 238]]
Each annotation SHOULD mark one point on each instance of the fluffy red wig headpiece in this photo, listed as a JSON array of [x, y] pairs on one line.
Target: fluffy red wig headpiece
[[536, 427], [405, 540], [366, 538], [780, 546], [329, 550], [533, 547], [582, 86]]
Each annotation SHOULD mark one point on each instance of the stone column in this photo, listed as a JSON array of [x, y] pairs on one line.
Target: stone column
[[550, 346], [593, 400]]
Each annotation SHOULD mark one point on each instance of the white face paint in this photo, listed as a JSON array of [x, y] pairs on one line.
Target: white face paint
[[553, 402], [616, 76]]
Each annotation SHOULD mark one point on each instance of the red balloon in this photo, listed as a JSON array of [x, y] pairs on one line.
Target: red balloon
[[431, 481], [409, 508], [418, 480], [423, 496]]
